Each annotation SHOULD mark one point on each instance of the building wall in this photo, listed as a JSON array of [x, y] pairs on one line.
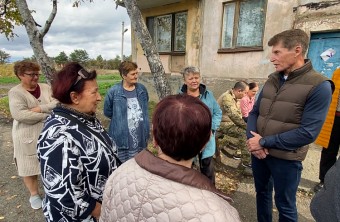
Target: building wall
[[193, 37], [241, 65], [317, 16], [220, 71]]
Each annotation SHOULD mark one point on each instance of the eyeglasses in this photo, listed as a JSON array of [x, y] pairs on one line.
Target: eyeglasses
[[32, 75], [82, 74]]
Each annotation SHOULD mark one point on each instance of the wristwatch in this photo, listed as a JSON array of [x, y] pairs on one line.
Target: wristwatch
[[262, 141]]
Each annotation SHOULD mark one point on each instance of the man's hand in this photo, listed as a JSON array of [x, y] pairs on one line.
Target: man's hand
[[260, 154], [255, 148], [253, 143]]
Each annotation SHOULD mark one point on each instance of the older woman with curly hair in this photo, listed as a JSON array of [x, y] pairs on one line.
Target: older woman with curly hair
[[30, 103]]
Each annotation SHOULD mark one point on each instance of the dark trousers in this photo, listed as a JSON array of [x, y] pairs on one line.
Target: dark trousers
[[328, 156], [282, 175], [207, 167]]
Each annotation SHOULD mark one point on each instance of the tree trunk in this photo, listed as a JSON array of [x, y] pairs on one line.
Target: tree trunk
[[161, 83], [36, 37]]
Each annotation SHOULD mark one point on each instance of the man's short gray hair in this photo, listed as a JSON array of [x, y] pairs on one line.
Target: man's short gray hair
[[190, 69]]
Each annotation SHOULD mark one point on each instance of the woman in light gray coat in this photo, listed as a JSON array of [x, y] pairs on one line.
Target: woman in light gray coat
[[164, 187]]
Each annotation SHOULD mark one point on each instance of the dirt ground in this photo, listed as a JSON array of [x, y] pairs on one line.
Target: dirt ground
[[14, 205]]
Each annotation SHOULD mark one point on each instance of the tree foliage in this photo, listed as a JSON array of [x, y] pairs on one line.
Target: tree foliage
[[79, 55], [31, 59], [98, 63], [61, 59], [4, 57], [9, 16]]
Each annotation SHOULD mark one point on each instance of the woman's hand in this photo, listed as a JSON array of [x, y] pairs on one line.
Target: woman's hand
[[96, 212], [36, 109]]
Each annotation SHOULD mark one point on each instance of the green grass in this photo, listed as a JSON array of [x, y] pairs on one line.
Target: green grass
[[114, 76], [104, 86], [9, 79], [4, 107], [14, 79], [105, 81], [100, 78], [152, 105]]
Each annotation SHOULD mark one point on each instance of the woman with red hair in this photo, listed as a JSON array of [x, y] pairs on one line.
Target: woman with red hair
[[164, 187], [76, 153]]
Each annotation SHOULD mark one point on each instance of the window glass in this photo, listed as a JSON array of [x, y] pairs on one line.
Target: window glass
[[168, 31], [251, 22], [149, 23], [243, 23], [180, 31], [228, 25], [162, 32]]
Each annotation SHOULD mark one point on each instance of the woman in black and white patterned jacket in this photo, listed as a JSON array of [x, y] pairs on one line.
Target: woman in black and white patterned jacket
[[76, 154]]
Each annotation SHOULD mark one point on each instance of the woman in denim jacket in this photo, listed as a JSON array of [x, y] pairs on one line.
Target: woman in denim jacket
[[126, 104]]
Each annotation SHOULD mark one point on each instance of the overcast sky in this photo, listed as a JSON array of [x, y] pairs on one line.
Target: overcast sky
[[95, 27]]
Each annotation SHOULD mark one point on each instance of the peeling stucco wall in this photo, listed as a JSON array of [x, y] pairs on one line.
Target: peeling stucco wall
[[221, 71], [245, 65], [317, 16]]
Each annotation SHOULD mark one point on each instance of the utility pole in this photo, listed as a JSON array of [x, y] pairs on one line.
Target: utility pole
[[123, 31]]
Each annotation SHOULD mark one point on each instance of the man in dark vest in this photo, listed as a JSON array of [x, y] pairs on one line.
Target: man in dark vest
[[288, 115]]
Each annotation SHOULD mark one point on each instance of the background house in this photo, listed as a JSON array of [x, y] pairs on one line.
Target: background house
[[228, 39]]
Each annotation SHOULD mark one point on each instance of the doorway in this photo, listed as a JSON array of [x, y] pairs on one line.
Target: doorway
[[324, 52]]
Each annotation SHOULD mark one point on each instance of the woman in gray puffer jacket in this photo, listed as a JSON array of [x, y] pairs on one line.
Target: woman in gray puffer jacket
[[164, 187]]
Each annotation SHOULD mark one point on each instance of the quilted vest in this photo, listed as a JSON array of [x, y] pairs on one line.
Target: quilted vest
[[281, 108], [147, 188]]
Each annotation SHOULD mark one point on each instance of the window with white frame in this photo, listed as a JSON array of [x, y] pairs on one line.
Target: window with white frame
[[169, 31], [243, 24]]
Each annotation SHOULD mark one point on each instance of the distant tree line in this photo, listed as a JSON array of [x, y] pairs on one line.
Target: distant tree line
[[4, 57], [78, 55]]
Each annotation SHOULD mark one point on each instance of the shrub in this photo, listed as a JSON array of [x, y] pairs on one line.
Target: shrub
[[6, 70]]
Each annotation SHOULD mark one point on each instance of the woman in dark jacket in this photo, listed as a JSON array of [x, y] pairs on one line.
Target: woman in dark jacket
[[76, 154]]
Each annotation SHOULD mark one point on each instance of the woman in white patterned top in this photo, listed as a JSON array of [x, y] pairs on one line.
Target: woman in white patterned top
[[76, 154]]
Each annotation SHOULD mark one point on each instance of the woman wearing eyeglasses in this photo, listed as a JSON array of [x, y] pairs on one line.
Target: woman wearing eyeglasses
[[30, 103], [76, 153]]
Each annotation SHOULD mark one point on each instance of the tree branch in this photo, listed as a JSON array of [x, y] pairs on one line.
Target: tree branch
[[50, 19], [139, 27]]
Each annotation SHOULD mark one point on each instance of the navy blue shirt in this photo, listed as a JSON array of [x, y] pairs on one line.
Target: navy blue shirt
[[313, 117]]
